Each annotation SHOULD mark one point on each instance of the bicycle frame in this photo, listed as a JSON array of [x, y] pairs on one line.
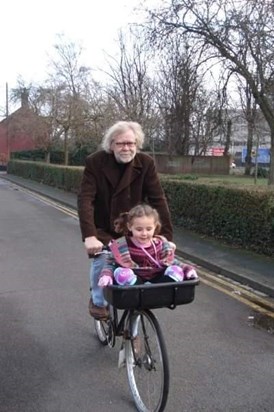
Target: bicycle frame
[[119, 323]]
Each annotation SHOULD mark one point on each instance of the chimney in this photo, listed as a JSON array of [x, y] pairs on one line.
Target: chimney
[[24, 98]]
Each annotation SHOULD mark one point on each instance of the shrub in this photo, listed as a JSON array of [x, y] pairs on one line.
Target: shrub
[[242, 216], [261, 172]]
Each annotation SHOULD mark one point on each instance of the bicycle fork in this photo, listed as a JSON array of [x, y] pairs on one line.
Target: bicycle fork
[[130, 332]]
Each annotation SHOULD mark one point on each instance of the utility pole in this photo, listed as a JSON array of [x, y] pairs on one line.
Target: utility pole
[[7, 118]]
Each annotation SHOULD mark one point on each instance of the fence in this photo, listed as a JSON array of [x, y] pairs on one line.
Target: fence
[[219, 165]]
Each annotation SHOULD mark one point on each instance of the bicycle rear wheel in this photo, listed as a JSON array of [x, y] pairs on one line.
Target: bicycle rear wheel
[[147, 363]]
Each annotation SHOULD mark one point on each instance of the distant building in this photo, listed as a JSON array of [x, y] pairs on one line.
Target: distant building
[[240, 131], [239, 134], [21, 130]]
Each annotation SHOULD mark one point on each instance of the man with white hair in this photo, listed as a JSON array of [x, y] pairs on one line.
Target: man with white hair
[[115, 179]]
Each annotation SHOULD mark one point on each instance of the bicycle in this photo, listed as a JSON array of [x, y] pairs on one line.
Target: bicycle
[[143, 349]]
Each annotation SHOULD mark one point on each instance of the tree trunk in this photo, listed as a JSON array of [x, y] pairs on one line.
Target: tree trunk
[[228, 137], [66, 148], [249, 146], [47, 156]]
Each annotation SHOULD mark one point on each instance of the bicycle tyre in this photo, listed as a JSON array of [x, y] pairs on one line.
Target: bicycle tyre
[[148, 372], [101, 331]]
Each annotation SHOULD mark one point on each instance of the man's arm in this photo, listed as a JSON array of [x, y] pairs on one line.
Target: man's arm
[[85, 203]]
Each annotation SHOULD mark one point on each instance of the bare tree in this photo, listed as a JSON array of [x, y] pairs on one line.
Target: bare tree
[[74, 106], [176, 93], [239, 32], [206, 120], [191, 112], [249, 108], [68, 92], [131, 88]]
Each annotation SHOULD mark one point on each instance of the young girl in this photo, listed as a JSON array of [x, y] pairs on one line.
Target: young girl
[[141, 255]]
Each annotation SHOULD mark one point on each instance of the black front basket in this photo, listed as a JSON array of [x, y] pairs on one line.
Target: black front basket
[[151, 296]]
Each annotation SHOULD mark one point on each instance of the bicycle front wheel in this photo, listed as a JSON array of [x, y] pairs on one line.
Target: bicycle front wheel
[[147, 363], [102, 331]]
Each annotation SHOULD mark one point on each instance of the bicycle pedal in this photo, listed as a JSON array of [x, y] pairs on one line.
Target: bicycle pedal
[[122, 358]]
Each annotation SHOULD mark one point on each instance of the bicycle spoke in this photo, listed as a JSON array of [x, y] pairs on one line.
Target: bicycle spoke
[[147, 370]]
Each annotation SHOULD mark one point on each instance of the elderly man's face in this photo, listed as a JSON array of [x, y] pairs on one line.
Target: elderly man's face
[[124, 147]]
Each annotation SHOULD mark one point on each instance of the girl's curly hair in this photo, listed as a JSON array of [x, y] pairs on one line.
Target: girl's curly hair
[[120, 224], [125, 218]]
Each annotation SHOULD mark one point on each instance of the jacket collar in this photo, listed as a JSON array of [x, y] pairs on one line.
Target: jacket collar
[[112, 172]]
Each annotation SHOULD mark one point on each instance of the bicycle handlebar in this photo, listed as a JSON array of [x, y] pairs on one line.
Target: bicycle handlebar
[[105, 250]]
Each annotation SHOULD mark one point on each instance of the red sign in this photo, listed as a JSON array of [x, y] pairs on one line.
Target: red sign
[[217, 151]]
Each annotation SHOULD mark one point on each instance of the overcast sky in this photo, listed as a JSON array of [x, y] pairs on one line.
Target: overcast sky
[[29, 29]]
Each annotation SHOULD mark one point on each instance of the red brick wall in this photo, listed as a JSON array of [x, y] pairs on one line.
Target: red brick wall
[[14, 142]]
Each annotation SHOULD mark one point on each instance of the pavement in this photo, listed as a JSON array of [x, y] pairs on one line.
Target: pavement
[[248, 268]]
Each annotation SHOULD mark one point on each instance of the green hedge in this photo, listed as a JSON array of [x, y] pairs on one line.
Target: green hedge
[[240, 216], [67, 178], [76, 156]]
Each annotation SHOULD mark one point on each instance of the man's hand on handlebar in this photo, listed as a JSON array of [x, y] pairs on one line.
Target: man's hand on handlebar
[[93, 245]]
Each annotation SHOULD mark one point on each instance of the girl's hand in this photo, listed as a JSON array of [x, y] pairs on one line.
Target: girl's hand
[[105, 280], [189, 272], [172, 245]]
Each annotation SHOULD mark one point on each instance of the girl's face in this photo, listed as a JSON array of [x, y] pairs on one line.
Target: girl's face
[[142, 229]]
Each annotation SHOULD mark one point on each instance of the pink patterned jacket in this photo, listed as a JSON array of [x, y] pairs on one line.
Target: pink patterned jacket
[[125, 254]]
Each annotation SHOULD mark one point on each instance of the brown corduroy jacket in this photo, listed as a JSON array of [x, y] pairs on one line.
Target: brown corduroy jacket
[[106, 191]]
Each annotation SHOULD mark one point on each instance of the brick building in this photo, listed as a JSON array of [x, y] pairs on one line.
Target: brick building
[[21, 130]]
